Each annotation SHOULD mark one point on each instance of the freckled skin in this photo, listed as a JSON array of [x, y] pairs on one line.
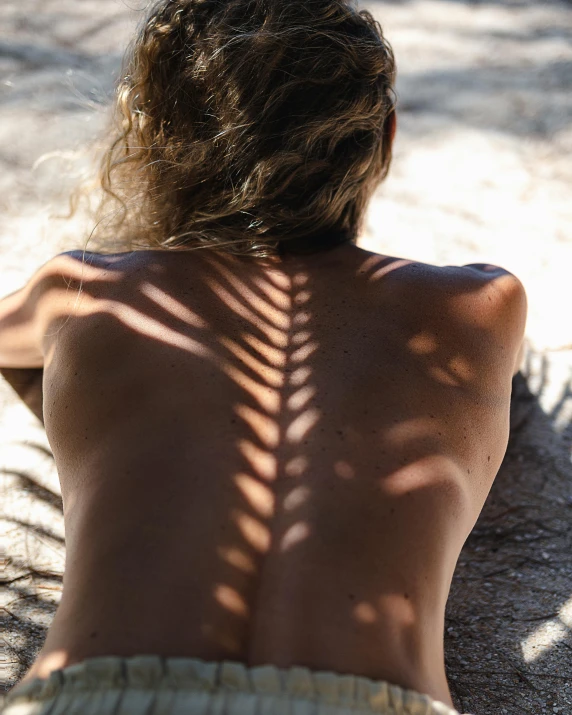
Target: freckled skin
[[274, 461]]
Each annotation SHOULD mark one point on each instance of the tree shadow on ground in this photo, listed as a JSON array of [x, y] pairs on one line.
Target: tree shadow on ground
[[477, 3], [56, 79], [517, 99], [32, 591], [508, 637], [519, 87], [47, 65]]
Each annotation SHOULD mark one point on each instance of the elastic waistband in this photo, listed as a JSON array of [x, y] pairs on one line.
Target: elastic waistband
[[237, 689]]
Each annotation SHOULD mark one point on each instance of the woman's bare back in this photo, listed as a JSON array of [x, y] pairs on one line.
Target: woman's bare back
[[272, 461]]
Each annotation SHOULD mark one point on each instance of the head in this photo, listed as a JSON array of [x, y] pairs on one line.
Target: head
[[250, 126]]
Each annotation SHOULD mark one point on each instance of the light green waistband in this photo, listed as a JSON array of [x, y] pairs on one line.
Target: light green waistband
[[151, 685]]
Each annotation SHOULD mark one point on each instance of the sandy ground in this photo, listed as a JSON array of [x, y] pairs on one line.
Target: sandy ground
[[482, 172]]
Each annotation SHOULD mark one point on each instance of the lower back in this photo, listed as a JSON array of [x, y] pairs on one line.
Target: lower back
[[342, 575]]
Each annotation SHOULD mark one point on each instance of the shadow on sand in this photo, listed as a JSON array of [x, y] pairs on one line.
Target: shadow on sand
[[508, 637], [513, 99]]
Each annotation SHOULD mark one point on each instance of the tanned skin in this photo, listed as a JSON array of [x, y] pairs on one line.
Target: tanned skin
[[268, 461]]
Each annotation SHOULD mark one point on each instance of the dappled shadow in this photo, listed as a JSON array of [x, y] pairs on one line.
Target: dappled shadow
[[289, 479], [38, 491], [475, 3], [31, 592], [32, 599], [55, 79], [492, 98], [48, 68], [288, 374], [505, 679], [509, 616], [517, 83], [30, 55]]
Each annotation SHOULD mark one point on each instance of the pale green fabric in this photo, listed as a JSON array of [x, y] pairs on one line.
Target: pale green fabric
[[149, 685]]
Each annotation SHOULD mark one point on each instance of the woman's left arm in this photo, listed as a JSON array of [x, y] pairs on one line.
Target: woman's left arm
[[20, 336], [26, 314], [27, 384]]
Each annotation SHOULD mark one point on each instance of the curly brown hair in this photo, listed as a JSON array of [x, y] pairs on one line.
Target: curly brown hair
[[251, 126]]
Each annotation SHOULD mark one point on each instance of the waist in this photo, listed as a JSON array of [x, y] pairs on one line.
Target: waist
[[152, 685], [402, 648]]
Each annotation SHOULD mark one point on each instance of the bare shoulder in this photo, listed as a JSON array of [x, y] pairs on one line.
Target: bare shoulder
[[498, 304], [495, 282], [480, 306], [487, 287], [63, 286], [73, 266], [29, 316], [78, 263], [70, 273], [495, 297]]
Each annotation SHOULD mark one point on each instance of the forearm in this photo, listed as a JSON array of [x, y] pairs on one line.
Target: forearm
[[27, 384], [28, 315], [20, 346], [20, 360]]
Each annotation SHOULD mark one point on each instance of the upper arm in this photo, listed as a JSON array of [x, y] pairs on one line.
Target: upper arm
[[26, 314]]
